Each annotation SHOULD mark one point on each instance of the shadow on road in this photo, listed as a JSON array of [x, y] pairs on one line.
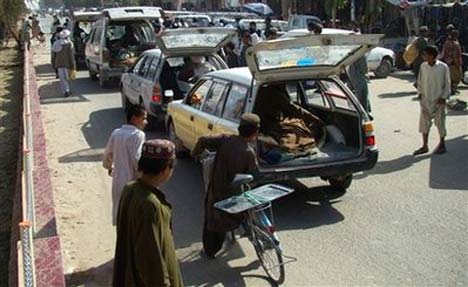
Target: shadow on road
[[96, 276], [406, 75], [198, 271], [447, 171], [307, 207], [100, 125], [397, 95], [96, 131], [50, 94]]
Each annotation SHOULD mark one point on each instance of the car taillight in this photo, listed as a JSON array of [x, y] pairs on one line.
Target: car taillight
[[369, 137], [157, 97]]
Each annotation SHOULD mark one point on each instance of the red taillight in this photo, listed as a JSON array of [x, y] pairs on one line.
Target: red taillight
[[370, 141], [157, 97], [271, 229], [369, 137]]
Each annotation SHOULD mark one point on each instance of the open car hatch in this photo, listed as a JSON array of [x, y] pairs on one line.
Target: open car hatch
[[314, 56], [194, 41]]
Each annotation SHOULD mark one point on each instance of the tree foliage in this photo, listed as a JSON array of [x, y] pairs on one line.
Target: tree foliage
[[332, 6], [10, 12]]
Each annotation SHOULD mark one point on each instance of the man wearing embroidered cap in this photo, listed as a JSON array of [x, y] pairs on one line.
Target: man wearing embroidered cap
[[145, 253], [234, 154]]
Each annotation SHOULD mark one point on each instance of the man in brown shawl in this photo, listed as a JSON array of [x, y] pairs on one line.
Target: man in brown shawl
[[234, 155]]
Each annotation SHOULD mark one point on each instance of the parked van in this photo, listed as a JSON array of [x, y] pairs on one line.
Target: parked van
[[117, 39]]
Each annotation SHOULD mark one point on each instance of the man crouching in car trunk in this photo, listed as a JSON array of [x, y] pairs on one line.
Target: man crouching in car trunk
[[234, 154]]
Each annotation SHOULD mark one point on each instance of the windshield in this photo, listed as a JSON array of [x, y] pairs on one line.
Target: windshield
[[303, 57]]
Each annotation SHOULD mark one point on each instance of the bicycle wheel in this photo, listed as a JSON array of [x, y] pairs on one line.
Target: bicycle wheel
[[270, 255]]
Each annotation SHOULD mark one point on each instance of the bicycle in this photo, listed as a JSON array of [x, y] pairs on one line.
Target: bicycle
[[260, 229]]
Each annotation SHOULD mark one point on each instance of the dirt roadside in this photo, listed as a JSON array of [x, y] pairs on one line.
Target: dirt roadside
[[10, 120]]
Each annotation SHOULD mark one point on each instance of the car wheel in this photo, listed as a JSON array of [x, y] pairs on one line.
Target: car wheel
[[92, 75], [342, 182], [384, 69], [181, 151]]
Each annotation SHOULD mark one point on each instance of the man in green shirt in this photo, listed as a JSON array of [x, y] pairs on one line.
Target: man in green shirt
[[145, 253]]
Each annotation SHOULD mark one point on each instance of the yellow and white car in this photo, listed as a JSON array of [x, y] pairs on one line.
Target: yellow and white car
[[307, 67]]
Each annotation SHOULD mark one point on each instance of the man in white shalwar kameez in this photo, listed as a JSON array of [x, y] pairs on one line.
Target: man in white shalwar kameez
[[122, 153], [434, 90]]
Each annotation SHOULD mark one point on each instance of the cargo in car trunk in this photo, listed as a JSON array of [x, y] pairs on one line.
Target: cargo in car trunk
[[306, 122], [126, 40]]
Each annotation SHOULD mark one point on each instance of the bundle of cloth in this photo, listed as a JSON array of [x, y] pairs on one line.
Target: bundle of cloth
[[287, 131]]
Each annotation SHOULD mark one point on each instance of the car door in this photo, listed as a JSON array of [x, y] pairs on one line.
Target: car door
[[212, 109], [146, 82], [134, 81], [234, 107], [187, 115]]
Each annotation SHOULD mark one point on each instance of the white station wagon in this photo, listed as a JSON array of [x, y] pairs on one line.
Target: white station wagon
[[306, 68], [156, 78]]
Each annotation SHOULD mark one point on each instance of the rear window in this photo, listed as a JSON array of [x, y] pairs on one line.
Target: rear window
[[141, 30], [337, 95]]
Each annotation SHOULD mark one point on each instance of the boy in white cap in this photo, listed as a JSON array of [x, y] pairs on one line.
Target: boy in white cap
[[64, 60]]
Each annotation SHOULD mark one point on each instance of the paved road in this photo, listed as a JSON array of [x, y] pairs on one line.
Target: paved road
[[402, 223]]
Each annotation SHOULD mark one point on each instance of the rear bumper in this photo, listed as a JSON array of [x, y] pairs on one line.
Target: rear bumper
[[158, 110], [364, 162]]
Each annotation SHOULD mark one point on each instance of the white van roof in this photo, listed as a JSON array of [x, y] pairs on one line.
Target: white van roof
[[133, 13]]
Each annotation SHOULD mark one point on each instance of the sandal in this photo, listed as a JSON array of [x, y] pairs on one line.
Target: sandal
[[422, 150], [440, 150]]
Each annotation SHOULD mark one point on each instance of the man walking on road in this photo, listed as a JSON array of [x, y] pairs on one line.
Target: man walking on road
[[145, 253], [452, 56], [234, 155], [421, 43], [122, 153], [434, 90], [64, 60]]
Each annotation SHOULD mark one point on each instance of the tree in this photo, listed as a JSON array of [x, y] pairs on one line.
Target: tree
[[332, 6], [10, 11]]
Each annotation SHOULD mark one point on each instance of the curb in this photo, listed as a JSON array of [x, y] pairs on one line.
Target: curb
[[47, 248]]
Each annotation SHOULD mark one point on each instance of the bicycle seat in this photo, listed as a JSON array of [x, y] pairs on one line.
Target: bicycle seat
[[241, 179]]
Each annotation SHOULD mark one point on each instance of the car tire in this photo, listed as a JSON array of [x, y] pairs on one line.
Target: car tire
[[104, 80], [181, 150], [384, 69], [92, 75], [341, 183]]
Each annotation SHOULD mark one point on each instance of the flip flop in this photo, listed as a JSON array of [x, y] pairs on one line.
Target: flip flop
[[422, 150]]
